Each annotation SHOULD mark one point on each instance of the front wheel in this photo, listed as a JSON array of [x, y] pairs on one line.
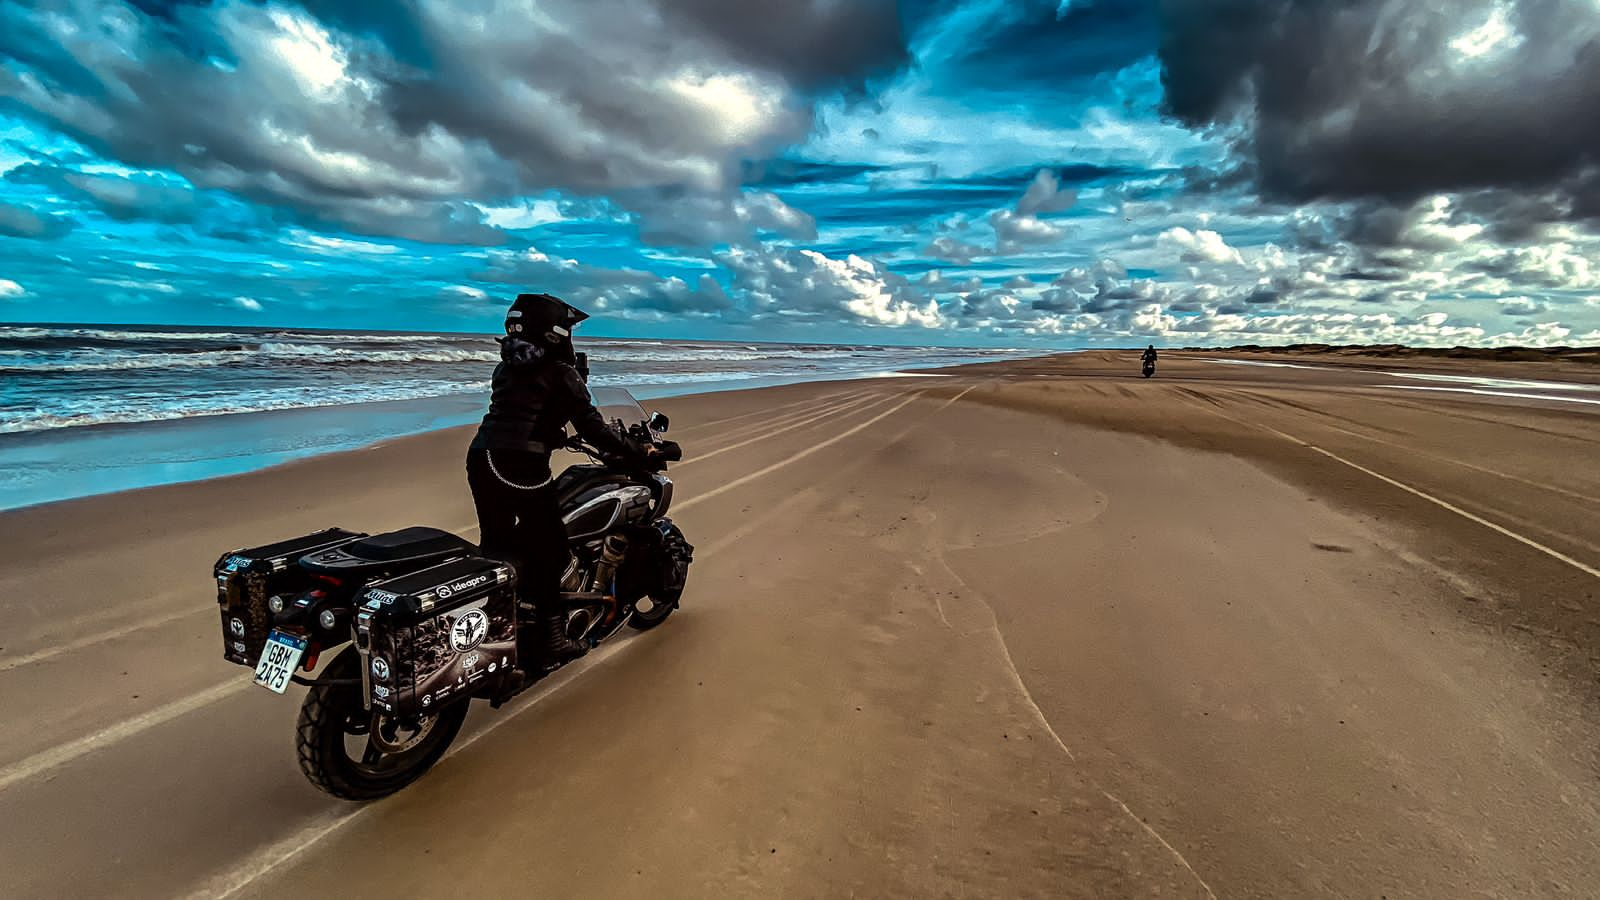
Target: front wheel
[[649, 612], [654, 574], [338, 751]]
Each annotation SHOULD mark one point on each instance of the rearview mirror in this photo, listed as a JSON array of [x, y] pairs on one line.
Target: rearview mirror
[[658, 422]]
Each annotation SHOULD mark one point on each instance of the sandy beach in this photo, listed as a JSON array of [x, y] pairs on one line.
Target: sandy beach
[[1030, 629]]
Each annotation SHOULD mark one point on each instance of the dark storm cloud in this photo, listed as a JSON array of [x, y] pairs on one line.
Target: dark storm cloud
[[237, 99], [1393, 100], [388, 119], [814, 44], [640, 93], [1390, 275], [1192, 301], [1264, 296], [23, 222], [124, 199]]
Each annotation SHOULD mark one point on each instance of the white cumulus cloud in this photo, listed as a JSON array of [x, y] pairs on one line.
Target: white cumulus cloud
[[1200, 246]]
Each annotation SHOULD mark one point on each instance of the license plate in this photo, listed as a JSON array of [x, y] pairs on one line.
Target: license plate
[[279, 659]]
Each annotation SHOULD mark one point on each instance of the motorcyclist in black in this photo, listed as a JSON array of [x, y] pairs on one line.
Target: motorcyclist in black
[[536, 391], [1150, 354]]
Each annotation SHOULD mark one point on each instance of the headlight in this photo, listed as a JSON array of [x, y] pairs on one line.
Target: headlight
[[275, 603], [327, 620]]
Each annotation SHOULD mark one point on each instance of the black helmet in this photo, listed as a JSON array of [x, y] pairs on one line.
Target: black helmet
[[541, 318]]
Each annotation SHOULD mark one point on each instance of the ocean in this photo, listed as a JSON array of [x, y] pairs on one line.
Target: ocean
[[89, 409]]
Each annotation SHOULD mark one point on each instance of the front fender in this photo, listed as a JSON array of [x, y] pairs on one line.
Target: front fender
[[663, 492]]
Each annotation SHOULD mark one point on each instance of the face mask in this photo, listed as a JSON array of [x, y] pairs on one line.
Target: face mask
[[519, 352]]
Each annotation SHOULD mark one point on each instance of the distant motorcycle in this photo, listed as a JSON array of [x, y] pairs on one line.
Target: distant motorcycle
[[1149, 367], [427, 624]]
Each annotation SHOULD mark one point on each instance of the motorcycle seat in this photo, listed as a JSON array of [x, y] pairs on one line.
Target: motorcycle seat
[[391, 550]]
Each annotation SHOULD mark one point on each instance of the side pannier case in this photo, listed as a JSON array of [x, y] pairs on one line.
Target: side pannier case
[[438, 635], [247, 578]]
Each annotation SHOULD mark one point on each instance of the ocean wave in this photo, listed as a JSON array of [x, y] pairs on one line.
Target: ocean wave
[[41, 333], [275, 353], [100, 334], [77, 412], [64, 412], [265, 354]]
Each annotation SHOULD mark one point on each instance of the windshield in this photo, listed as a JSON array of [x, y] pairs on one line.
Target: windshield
[[618, 403]]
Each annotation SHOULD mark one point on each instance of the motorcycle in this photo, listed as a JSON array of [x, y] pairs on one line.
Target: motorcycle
[[1149, 367], [420, 623]]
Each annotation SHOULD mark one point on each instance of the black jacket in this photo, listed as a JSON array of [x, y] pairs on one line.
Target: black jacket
[[531, 401]]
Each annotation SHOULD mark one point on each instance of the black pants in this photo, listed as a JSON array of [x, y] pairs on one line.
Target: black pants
[[520, 521]]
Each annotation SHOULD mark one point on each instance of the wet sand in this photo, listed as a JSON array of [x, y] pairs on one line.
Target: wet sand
[[1034, 629]]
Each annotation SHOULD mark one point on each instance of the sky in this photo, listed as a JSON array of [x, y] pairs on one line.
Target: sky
[[1017, 173]]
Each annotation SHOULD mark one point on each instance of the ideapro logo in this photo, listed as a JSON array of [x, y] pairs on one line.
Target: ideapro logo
[[450, 590]]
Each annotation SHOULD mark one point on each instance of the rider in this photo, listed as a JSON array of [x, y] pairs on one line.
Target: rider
[[1150, 354], [536, 391]]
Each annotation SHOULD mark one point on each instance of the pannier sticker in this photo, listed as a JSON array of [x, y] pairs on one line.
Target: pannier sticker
[[380, 668], [235, 563], [469, 630], [448, 590], [238, 647], [427, 699], [382, 596], [236, 626], [381, 692]]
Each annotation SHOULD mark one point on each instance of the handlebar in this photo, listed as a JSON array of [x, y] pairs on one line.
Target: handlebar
[[669, 451]]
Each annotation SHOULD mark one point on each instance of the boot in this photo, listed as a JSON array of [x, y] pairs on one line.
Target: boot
[[558, 648]]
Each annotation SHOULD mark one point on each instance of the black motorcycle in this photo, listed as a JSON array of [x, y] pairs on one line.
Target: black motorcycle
[[1149, 367], [420, 623]]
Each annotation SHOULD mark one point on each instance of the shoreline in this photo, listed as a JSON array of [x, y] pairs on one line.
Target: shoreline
[[344, 428], [37, 462]]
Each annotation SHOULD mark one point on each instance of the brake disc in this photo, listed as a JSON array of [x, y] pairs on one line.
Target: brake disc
[[385, 734]]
